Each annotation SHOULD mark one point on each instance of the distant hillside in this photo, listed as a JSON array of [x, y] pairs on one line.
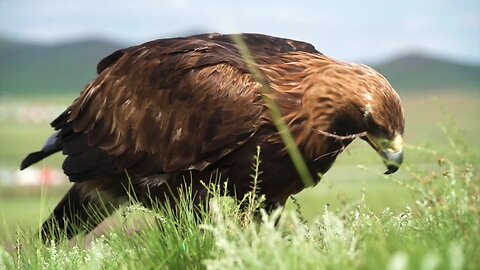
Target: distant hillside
[[417, 72], [28, 69]]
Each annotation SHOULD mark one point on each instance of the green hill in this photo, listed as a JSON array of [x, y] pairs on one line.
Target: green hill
[[418, 72], [36, 70], [31, 70]]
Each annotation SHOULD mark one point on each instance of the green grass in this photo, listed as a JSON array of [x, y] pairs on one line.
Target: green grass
[[438, 230], [25, 208]]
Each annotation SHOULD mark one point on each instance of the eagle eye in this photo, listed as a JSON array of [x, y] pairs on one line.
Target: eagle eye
[[374, 128]]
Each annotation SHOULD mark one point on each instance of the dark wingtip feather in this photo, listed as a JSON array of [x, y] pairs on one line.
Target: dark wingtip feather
[[52, 145], [32, 158]]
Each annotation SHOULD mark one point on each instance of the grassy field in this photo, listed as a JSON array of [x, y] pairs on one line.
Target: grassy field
[[438, 231], [408, 221]]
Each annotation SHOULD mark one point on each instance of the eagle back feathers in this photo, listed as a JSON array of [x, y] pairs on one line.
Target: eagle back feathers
[[177, 104]]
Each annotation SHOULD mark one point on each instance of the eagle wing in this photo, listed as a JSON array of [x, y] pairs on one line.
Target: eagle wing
[[260, 46], [173, 104]]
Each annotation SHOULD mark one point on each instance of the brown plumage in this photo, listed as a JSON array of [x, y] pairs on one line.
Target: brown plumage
[[179, 107]]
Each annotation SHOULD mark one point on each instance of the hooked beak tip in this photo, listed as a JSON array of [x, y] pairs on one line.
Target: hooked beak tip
[[392, 160], [391, 169]]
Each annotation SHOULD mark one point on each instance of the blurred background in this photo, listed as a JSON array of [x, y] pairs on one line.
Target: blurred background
[[428, 50]]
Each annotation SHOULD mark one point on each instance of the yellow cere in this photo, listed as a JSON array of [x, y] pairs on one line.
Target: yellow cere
[[396, 144]]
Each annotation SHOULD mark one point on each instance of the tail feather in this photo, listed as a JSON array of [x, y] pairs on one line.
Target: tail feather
[[52, 145], [33, 158]]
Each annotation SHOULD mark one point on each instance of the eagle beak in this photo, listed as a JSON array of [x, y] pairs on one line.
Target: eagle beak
[[391, 151], [392, 160]]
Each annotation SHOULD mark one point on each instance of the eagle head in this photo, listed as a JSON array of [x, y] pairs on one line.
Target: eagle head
[[357, 100], [383, 119]]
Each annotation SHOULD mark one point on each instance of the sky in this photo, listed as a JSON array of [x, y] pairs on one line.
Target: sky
[[347, 30]]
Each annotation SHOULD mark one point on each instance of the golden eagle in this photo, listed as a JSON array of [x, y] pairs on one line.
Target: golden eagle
[[190, 106]]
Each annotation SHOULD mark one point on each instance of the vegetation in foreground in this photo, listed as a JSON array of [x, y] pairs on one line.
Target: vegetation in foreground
[[441, 231]]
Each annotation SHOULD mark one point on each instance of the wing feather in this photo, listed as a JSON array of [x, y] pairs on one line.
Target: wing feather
[[174, 104], [170, 114]]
